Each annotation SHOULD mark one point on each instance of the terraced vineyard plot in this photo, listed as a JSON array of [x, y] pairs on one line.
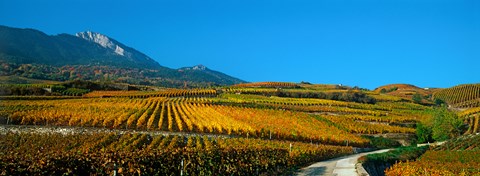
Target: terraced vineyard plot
[[323, 105], [466, 142], [440, 163], [457, 156], [363, 127], [268, 84], [146, 94], [472, 117], [177, 115], [458, 96], [102, 153]]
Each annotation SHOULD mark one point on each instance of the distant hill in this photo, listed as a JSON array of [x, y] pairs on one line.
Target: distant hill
[[203, 74], [407, 91], [92, 56], [401, 89]]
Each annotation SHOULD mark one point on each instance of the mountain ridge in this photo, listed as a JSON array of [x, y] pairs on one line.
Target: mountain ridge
[[87, 49]]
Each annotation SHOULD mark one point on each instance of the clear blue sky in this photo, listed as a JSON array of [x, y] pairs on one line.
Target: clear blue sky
[[367, 43]]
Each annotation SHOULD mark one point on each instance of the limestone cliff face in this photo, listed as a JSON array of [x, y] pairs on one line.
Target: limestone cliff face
[[114, 46]]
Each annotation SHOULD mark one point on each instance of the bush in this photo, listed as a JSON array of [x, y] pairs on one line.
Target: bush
[[446, 125], [400, 154], [417, 98], [375, 164], [443, 125], [424, 133], [381, 142]]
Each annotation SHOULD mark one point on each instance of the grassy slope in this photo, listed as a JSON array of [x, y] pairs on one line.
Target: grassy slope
[[23, 80]]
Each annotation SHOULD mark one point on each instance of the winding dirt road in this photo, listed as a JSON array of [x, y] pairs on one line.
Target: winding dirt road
[[343, 166]]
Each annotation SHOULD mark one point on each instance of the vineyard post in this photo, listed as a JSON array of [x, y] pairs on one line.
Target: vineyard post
[[181, 167], [114, 169], [290, 147], [270, 135]]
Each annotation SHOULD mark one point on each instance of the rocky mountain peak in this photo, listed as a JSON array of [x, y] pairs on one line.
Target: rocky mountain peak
[[102, 40], [199, 67]]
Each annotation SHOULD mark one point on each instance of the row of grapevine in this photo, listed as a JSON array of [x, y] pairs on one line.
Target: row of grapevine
[[273, 91], [289, 125], [391, 119], [469, 112], [459, 94], [363, 127], [268, 84], [465, 142], [143, 154], [75, 92], [248, 90], [147, 94], [472, 118], [333, 109], [468, 104], [322, 105], [473, 123]]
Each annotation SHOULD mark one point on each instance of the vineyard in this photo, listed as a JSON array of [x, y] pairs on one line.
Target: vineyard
[[178, 114], [403, 90], [456, 157], [146, 94], [471, 116], [462, 96], [268, 84], [466, 142], [439, 163], [466, 100], [253, 128], [142, 154]]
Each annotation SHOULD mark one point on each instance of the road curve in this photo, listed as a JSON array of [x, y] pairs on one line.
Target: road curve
[[342, 166]]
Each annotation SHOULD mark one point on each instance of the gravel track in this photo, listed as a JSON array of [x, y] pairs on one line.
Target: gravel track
[[342, 166], [67, 130]]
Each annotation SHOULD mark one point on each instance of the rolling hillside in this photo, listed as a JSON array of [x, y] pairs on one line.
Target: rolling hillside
[[408, 91], [278, 126]]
